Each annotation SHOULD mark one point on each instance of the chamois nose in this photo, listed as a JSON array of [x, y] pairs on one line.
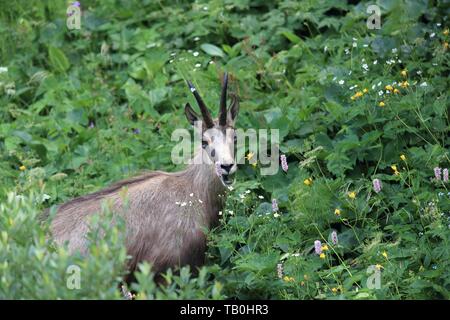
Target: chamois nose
[[226, 167]]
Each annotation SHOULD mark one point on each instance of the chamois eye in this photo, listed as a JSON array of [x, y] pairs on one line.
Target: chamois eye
[[204, 144], [213, 153]]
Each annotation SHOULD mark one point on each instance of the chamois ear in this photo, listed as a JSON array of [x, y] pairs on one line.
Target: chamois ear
[[234, 108], [190, 114]]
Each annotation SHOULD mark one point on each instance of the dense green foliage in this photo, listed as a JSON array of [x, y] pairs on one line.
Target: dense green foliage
[[82, 108]]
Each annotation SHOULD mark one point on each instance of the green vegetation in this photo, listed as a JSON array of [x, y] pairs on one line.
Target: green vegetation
[[83, 108]]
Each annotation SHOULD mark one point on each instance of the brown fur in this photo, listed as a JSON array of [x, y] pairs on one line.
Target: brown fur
[[158, 230]]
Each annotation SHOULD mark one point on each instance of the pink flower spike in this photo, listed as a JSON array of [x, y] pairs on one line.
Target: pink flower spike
[[274, 205], [318, 246], [445, 175], [284, 164], [334, 237], [437, 173], [377, 185]]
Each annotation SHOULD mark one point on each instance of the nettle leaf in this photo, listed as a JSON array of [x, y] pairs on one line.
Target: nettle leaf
[[58, 59]]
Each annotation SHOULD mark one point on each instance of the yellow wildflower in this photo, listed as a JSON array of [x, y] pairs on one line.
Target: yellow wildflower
[[352, 195], [334, 290], [358, 94], [446, 45], [254, 164], [337, 212], [249, 155], [288, 279], [308, 181], [389, 87], [322, 256], [365, 90], [325, 247], [378, 266], [403, 157], [396, 91], [384, 254], [22, 168], [394, 167], [404, 84], [404, 73], [381, 104], [445, 32]]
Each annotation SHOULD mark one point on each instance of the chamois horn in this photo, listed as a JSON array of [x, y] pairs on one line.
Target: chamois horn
[[204, 110], [223, 101]]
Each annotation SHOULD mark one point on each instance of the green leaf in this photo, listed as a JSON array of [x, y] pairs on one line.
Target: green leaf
[[291, 37], [212, 50], [58, 59]]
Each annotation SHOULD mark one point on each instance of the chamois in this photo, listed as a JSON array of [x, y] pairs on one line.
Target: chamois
[[166, 213]]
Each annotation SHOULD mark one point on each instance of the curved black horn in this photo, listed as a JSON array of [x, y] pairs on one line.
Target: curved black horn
[[223, 101], [204, 110]]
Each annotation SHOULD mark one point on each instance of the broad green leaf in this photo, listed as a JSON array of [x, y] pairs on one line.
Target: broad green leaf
[[212, 50], [58, 59]]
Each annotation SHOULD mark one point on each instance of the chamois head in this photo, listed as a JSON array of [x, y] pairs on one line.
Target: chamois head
[[218, 135]]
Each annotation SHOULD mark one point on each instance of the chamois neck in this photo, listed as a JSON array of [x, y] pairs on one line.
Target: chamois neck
[[203, 174], [204, 180]]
